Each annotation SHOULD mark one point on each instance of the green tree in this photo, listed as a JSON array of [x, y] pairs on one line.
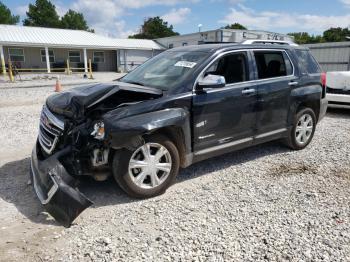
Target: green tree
[[236, 26], [337, 34], [301, 37], [42, 13], [74, 20], [305, 38], [154, 27], [6, 16]]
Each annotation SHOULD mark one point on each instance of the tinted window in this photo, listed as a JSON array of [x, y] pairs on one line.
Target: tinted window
[[307, 62], [272, 64], [233, 67]]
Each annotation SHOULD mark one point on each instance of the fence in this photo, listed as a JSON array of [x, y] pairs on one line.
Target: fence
[[13, 70]]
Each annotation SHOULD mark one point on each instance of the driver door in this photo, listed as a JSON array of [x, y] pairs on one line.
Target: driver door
[[224, 117]]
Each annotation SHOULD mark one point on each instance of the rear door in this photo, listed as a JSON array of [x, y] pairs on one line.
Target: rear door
[[275, 75], [227, 114]]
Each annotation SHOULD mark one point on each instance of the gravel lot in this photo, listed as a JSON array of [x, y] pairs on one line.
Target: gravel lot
[[262, 203]]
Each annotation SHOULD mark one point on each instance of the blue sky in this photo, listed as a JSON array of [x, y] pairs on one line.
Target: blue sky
[[119, 18]]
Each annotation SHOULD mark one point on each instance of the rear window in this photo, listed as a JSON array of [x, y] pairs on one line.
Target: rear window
[[272, 64], [307, 62]]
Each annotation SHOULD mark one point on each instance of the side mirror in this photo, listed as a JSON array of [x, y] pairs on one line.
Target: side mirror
[[211, 81]]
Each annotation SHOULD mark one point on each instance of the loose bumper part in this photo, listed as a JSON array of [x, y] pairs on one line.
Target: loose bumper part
[[53, 186]]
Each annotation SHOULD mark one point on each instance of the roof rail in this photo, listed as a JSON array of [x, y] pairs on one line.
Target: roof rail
[[278, 42]]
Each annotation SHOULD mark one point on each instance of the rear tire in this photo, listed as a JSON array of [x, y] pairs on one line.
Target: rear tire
[[139, 172], [302, 132]]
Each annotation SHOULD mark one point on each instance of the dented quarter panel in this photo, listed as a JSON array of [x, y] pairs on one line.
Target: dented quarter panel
[[304, 94]]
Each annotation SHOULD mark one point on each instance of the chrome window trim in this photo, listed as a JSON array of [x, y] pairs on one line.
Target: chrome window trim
[[229, 86]]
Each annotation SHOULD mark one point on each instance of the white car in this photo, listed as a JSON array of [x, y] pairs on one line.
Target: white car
[[338, 89]]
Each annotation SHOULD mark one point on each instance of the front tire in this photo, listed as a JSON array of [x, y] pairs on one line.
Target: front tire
[[303, 130], [148, 170]]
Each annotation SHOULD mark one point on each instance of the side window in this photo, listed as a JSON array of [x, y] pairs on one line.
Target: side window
[[289, 66], [272, 64], [307, 62], [233, 67]]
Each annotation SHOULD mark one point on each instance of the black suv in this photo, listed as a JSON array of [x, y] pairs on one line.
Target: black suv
[[182, 106]]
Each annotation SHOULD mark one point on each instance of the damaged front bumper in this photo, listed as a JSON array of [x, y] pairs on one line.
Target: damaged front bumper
[[53, 186]]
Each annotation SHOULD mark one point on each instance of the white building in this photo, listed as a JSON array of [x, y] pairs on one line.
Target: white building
[[39, 49], [220, 36]]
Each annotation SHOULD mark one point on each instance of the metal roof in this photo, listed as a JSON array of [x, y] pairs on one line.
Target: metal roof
[[329, 45], [52, 37]]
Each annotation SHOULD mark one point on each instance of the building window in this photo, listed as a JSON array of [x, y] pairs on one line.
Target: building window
[[51, 56], [16, 54], [184, 44], [170, 46], [99, 57], [74, 56]]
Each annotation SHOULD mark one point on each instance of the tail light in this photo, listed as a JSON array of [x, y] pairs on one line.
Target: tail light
[[324, 84], [324, 79]]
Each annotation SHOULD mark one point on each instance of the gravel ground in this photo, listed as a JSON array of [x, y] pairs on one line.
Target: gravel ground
[[262, 203]]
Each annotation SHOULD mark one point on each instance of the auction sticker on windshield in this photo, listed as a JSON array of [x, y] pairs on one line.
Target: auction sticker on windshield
[[186, 64]]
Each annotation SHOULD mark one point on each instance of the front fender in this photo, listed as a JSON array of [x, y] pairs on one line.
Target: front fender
[[120, 132]]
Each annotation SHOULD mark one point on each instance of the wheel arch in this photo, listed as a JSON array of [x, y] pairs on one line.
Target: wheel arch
[[176, 135], [173, 123], [306, 97]]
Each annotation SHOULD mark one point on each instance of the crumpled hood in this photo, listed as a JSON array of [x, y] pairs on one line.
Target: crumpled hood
[[75, 102]]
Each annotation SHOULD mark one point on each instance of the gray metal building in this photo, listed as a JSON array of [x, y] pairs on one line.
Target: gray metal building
[[332, 56], [220, 36]]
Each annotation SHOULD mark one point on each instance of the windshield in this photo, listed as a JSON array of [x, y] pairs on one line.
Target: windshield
[[166, 70]]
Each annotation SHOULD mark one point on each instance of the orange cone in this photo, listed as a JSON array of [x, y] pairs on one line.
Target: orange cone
[[58, 87]]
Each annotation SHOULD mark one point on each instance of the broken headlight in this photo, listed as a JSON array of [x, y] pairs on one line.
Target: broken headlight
[[99, 130]]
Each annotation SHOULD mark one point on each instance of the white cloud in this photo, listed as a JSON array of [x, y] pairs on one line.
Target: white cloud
[[346, 2], [21, 10], [143, 3], [61, 9], [232, 2], [98, 11], [105, 15], [279, 20], [177, 16]]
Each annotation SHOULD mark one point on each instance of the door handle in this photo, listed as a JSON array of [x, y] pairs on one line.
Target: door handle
[[248, 91], [293, 83]]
